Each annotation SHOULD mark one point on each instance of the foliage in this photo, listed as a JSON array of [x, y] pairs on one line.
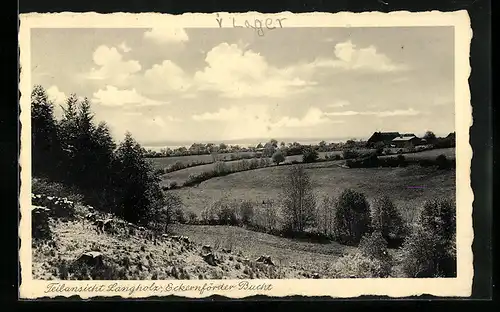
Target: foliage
[[309, 155], [299, 201], [352, 217], [387, 220], [430, 250], [81, 154], [278, 157]]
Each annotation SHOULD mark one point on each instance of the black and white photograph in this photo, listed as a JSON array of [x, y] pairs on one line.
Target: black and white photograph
[[249, 149]]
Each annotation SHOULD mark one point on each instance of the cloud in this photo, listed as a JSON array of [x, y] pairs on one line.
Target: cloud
[[339, 104], [124, 47], [162, 122], [313, 117], [349, 57], [58, 98], [407, 112], [236, 73], [223, 114], [166, 76], [112, 96], [112, 67], [166, 35]]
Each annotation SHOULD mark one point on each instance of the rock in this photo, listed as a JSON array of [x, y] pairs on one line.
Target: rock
[[108, 225], [210, 259], [206, 249], [265, 260], [92, 258]]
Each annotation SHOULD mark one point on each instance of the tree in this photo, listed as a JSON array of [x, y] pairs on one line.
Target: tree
[[299, 202], [322, 146], [325, 213], [309, 155], [45, 142], [222, 146], [278, 157], [166, 214], [429, 136], [387, 220], [352, 217], [282, 144], [269, 150], [431, 249], [141, 195], [246, 212], [274, 143]]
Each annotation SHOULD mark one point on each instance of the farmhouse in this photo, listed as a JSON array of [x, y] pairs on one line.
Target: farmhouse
[[384, 137], [406, 141]]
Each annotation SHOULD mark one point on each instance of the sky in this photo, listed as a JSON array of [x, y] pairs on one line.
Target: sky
[[230, 84]]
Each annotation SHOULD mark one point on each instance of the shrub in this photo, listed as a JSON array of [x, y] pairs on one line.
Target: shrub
[[374, 247], [442, 162], [172, 185], [278, 157], [387, 220], [401, 160], [309, 155], [356, 265], [246, 212], [40, 225], [429, 252], [192, 217], [179, 215], [352, 217], [350, 154]]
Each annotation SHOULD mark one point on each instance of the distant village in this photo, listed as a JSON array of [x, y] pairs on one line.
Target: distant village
[[376, 140]]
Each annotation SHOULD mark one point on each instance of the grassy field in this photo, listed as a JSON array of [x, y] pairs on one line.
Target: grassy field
[[180, 176], [162, 162], [285, 252], [408, 187]]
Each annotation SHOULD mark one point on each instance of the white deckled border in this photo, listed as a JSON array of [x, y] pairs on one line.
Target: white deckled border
[[460, 286]]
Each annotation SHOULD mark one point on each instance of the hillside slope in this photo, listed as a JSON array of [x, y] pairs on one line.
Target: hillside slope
[[136, 256]]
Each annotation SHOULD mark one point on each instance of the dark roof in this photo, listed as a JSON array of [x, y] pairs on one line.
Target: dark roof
[[383, 136], [408, 135]]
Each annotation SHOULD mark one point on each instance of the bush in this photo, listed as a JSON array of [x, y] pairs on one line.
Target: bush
[[278, 157], [443, 162], [192, 217], [246, 212], [309, 155], [350, 154], [430, 250], [356, 265], [179, 215], [401, 161], [352, 217], [387, 220], [374, 247]]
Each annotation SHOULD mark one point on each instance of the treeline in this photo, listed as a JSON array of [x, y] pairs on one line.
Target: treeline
[[427, 246], [266, 150], [81, 154]]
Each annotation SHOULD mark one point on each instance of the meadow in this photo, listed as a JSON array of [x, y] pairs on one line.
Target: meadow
[[407, 187]]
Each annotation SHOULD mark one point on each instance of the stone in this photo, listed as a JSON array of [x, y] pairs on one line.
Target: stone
[[92, 258]]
